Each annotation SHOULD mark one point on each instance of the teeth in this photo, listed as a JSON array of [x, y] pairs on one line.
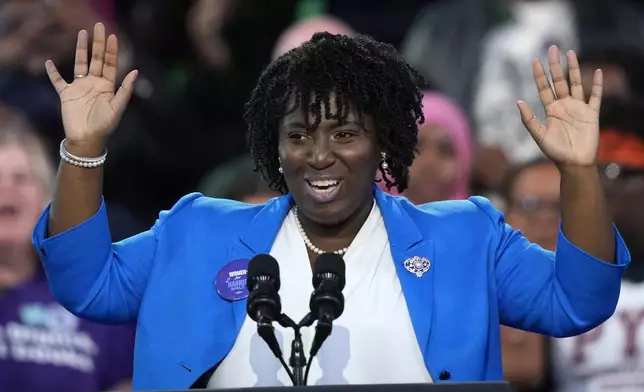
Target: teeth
[[324, 183]]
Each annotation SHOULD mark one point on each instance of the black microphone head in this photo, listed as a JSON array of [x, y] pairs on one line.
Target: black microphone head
[[329, 263], [263, 265]]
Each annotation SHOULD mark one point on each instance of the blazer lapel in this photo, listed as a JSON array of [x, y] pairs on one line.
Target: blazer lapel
[[407, 242], [258, 239]]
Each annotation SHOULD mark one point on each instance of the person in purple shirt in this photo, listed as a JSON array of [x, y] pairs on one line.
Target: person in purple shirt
[[43, 347]]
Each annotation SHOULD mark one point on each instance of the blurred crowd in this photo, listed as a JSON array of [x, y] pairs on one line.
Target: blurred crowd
[[183, 131]]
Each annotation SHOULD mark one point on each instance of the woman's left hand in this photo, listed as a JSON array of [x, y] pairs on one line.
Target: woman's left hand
[[571, 134]]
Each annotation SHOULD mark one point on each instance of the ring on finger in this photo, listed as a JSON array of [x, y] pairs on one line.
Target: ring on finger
[[79, 76]]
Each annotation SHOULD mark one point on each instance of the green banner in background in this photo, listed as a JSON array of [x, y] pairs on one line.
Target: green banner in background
[[310, 8]]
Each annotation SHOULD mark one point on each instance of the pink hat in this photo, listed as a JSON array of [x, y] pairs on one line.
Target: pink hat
[[441, 111], [302, 31]]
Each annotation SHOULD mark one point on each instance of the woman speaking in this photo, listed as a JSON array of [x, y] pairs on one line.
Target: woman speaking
[[426, 286]]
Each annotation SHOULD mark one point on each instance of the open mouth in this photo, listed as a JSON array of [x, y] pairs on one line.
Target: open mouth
[[8, 211], [323, 190]]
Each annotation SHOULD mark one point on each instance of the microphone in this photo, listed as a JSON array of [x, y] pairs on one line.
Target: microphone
[[327, 301], [263, 305]]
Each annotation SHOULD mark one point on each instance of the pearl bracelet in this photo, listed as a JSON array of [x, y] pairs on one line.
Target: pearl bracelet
[[81, 161]]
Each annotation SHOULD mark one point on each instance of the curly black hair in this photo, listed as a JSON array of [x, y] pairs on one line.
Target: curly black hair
[[364, 74]]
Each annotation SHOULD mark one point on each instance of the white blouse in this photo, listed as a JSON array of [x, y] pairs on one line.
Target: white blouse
[[373, 341]]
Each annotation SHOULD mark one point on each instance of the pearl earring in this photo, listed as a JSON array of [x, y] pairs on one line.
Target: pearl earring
[[384, 165], [279, 169]]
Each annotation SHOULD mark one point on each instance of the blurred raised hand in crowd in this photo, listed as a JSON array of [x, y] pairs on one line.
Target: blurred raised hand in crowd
[[205, 22], [35, 31], [31, 32]]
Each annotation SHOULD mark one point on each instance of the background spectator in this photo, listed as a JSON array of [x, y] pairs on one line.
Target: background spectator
[[304, 29], [531, 197], [441, 170], [43, 347]]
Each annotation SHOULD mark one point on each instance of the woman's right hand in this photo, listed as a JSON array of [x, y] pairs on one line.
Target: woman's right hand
[[90, 108]]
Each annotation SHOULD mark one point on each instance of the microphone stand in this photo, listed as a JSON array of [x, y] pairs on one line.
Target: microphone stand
[[297, 361]]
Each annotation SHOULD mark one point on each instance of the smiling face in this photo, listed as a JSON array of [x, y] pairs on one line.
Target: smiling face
[[329, 169]]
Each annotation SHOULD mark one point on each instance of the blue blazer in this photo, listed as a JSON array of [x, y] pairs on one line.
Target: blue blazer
[[482, 274]]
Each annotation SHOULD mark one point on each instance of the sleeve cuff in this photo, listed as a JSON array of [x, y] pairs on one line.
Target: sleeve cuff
[[600, 276], [78, 243]]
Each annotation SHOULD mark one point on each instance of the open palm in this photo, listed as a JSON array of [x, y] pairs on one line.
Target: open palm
[[571, 133], [90, 108]]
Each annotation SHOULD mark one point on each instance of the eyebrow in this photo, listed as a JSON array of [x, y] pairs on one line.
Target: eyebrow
[[295, 124], [300, 124]]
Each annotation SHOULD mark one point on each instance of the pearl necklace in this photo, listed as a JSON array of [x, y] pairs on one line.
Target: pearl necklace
[[308, 242]]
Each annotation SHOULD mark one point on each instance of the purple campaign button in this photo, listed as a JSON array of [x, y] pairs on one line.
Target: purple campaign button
[[231, 280]]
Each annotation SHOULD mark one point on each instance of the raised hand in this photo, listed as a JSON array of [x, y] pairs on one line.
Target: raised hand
[[90, 108], [570, 136]]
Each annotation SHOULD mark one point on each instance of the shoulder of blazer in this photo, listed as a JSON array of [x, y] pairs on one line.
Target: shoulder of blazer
[[476, 209], [196, 210]]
